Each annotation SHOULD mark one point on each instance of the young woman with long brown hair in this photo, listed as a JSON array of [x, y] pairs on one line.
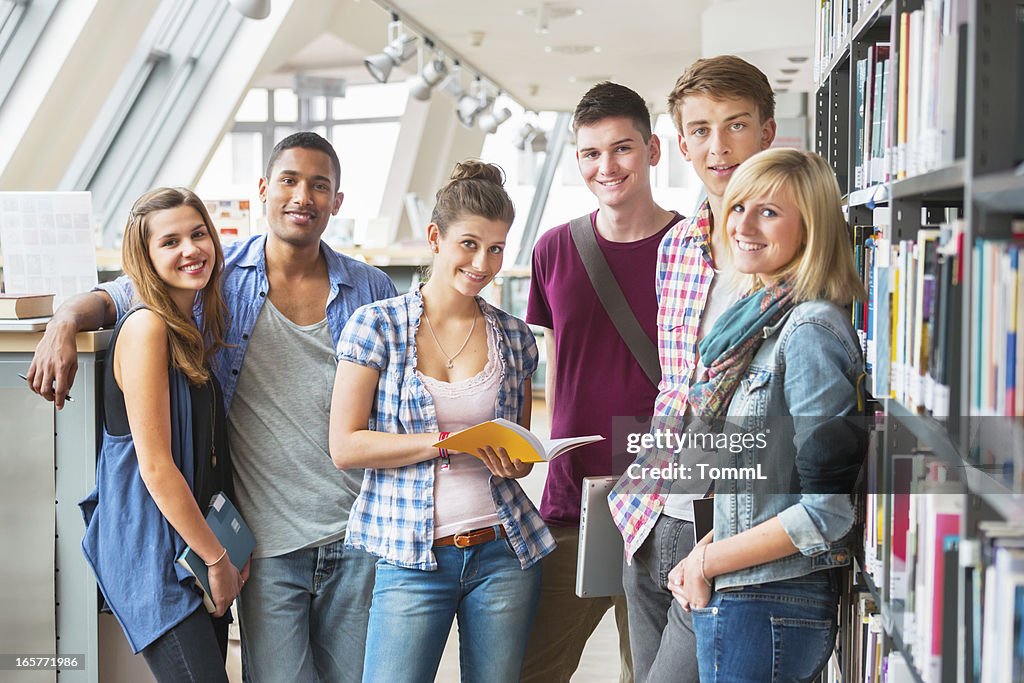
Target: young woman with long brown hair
[[164, 453]]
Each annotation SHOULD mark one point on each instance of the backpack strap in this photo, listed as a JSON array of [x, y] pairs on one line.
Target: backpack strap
[[612, 298]]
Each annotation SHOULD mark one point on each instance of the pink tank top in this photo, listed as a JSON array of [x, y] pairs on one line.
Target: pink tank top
[[462, 493]]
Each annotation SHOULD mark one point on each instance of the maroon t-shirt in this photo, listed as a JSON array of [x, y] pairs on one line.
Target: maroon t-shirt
[[597, 377]]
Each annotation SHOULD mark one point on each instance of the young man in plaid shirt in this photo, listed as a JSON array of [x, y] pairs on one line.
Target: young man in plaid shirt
[[723, 109]]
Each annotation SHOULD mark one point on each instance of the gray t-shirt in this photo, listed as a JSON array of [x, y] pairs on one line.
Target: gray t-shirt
[[721, 295], [288, 489]]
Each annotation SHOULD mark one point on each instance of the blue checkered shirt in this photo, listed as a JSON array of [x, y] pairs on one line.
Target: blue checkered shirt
[[393, 517]]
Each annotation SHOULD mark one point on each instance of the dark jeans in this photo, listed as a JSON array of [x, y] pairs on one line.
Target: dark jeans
[[779, 631], [660, 633], [195, 650]]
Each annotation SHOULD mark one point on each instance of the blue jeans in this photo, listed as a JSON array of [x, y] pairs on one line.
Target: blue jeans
[[779, 631], [193, 651], [303, 615], [411, 617]]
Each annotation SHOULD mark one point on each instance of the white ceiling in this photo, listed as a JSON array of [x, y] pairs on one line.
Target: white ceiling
[[645, 44]]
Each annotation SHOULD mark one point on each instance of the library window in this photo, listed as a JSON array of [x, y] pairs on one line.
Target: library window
[[363, 126]]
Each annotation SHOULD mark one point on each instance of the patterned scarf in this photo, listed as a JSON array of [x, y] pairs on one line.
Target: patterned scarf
[[731, 345]]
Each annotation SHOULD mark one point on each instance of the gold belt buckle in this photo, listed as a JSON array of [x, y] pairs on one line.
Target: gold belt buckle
[[462, 540]]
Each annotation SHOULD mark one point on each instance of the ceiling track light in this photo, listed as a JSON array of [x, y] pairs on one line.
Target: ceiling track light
[[489, 121], [451, 85], [531, 136], [471, 104], [400, 48], [430, 73]]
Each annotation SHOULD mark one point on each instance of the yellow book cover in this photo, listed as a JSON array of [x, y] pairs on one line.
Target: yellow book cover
[[518, 441]]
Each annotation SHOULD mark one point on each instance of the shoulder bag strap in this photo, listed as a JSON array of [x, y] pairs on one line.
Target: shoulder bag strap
[[612, 298]]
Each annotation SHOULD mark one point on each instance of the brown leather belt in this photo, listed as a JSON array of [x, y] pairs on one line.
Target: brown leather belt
[[467, 539]]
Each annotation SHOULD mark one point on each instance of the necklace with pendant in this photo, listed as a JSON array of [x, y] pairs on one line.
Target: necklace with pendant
[[451, 359]]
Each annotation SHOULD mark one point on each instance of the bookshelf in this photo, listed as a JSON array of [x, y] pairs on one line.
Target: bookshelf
[[919, 111]]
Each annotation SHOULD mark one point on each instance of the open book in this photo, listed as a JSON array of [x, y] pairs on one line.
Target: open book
[[518, 441]]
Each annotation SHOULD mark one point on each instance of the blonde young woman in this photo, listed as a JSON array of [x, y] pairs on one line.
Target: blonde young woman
[[456, 536], [164, 453], [784, 362]]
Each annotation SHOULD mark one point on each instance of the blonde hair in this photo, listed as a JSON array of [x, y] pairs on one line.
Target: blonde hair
[[824, 267], [190, 348], [720, 78]]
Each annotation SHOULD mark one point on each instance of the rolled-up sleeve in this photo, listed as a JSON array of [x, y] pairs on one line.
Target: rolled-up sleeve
[[121, 291], [361, 341], [821, 388]]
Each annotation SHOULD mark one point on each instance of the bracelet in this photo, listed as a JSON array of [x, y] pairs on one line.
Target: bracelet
[[210, 564], [702, 575], [443, 452]]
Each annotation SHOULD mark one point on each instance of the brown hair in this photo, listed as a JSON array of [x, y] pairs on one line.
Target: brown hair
[[190, 348], [824, 267], [719, 78], [476, 188], [607, 100]]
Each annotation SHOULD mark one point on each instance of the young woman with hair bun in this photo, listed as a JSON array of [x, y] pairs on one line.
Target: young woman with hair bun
[[456, 536]]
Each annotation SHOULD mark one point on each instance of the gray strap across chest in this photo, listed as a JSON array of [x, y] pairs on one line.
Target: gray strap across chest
[[612, 298]]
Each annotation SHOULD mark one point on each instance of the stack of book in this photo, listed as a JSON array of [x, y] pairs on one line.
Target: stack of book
[[996, 338], [833, 25], [25, 312], [925, 510], [932, 51], [995, 632], [908, 327], [871, 142]]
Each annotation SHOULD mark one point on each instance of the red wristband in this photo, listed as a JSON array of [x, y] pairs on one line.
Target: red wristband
[[443, 452]]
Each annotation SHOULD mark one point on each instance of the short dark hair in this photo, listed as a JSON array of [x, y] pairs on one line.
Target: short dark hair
[[607, 100], [306, 140]]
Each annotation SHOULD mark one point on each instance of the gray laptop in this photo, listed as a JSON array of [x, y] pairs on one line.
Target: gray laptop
[[599, 563]]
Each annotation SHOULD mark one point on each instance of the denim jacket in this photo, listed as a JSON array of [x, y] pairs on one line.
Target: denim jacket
[[802, 390]]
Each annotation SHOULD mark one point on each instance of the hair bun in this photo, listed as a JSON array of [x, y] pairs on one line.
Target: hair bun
[[474, 169]]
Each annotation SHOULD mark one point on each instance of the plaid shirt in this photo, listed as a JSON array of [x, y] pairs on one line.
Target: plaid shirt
[[393, 517], [683, 280]]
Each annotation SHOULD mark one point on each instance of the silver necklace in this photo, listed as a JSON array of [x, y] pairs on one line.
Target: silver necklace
[[451, 359]]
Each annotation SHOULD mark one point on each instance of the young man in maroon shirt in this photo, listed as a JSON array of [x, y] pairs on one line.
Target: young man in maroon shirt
[[592, 375]]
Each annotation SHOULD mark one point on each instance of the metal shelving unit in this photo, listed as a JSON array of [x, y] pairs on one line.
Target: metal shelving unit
[[984, 186]]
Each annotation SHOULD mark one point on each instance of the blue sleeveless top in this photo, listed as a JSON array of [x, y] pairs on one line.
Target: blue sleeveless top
[[128, 543]]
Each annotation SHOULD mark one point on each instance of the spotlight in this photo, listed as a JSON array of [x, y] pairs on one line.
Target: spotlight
[[523, 135], [451, 85], [468, 108], [539, 141], [489, 121], [533, 136], [429, 75], [400, 48]]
